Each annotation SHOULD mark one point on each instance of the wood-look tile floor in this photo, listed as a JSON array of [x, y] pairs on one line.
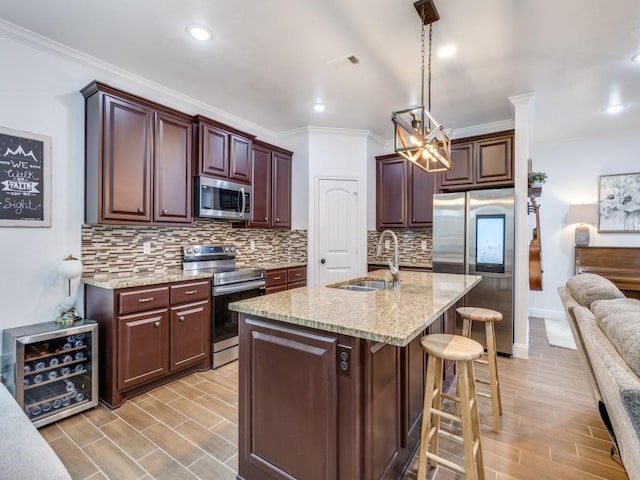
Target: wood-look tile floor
[[188, 429]]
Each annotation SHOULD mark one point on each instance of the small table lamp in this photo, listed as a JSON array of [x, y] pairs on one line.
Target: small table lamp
[[69, 268], [582, 214]]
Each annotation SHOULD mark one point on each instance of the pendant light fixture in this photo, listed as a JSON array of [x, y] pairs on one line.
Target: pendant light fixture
[[418, 137]]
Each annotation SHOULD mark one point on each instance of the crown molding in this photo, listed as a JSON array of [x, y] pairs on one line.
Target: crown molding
[[483, 129]]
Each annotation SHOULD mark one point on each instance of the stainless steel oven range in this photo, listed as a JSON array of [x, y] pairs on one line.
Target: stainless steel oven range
[[229, 284]]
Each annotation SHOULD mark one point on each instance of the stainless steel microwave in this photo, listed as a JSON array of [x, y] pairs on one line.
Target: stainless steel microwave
[[222, 199]]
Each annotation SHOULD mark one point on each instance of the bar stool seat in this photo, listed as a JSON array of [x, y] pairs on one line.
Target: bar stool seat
[[463, 351], [489, 317]]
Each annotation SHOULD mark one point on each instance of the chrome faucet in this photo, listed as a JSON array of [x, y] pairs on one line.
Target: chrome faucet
[[394, 267]]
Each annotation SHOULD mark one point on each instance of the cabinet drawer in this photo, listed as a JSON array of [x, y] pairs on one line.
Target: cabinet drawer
[[190, 292], [139, 300], [276, 277], [301, 283], [297, 274]]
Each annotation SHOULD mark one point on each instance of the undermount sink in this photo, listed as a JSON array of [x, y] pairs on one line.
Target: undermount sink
[[362, 285]]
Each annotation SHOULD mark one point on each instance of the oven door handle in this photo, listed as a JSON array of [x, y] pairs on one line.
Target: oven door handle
[[235, 288], [244, 201]]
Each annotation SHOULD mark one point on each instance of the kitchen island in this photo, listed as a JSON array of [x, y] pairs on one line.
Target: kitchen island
[[332, 380]]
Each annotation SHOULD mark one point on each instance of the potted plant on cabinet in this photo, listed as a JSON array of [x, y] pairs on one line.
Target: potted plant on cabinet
[[536, 179]]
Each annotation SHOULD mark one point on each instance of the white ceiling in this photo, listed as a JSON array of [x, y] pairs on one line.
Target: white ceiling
[[268, 60]]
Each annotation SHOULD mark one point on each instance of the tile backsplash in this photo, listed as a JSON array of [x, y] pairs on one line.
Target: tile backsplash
[[409, 246], [119, 248]]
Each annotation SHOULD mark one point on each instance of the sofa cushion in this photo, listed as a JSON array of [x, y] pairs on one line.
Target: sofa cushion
[[601, 308], [622, 328], [586, 288]]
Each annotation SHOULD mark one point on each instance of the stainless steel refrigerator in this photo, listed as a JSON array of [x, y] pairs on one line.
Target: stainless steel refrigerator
[[473, 233]]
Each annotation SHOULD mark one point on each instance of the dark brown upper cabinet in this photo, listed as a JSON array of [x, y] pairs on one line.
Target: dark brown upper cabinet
[[271, 186], [223, 152], [485, 161], [138, 159], [404, 194]]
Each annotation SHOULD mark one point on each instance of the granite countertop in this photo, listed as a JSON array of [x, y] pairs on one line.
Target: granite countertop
[[394, 316], [128, 279], [383, 263], [272, 265]]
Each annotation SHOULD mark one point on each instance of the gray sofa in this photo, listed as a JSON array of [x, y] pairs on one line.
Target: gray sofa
[[606, 329], [25, 454]]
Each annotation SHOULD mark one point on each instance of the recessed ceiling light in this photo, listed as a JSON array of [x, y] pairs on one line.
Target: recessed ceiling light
[[447, 51], [636, 58], [617, 108], [319, 107], [199, 32]]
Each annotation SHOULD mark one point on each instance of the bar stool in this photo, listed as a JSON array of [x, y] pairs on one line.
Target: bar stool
[[489, 317], [463, 351]]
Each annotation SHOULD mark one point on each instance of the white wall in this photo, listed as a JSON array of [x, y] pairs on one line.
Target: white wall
[[298, 142], [573, 167]]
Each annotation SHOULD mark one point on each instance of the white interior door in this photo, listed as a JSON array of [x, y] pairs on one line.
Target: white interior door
[[337, 223]]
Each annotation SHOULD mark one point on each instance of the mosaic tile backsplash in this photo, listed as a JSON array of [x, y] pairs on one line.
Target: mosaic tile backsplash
[[409, 245], [119, 248]]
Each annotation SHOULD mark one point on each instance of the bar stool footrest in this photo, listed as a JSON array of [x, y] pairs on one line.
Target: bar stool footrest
[[446, 463]]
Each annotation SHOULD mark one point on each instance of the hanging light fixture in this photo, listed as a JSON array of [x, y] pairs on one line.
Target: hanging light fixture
[[418, 137]]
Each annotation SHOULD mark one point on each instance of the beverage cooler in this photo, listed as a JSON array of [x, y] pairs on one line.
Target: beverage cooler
[[52, 369]]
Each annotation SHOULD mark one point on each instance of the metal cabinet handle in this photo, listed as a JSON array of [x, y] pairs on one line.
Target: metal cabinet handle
[[276, 278], [140, 210], [164, 211], [145, 300], [156, 324], [190, 292], [414, 220], [182, 319], [266, 219], [277, 219]]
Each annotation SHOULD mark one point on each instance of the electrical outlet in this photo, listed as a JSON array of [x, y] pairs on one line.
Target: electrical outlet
[[146, 248], [423, 245], [252, 245], [387, 244]]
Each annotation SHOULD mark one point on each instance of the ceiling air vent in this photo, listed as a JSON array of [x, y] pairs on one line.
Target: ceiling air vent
[[346, 61]]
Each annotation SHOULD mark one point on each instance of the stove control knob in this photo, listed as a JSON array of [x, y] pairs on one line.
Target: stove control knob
[[232, 249], [226, 249], [196, 250], [189, 250]]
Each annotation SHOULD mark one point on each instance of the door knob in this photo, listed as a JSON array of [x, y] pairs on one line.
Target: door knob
[[322, 260]]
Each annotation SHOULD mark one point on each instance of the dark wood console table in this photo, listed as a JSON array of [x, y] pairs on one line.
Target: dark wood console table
[[621, 265]]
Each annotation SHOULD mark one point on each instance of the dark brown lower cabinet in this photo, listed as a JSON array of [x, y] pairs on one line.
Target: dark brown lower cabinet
[[149, 335], [321, 406]]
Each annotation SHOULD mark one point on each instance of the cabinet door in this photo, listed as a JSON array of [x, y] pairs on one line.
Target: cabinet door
[[290, 385], [260, 187], [126, 177], [494, 161], [462, 173], [391, 202], [239, 159], [214, 151], [142, 348], [172, 174], [281, 190], [414, 366], [190, 334], [421, 189]]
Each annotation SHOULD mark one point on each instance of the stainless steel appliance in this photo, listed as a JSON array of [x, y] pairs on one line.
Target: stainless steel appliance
[[217, 198], [229, 284], [473, 233]]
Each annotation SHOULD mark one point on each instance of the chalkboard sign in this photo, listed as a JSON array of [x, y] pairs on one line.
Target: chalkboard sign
[[25, 179]]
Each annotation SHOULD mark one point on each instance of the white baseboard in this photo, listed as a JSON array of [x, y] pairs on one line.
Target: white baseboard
[[521, 350]]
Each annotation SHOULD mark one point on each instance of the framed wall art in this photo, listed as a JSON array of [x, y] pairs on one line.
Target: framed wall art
[[619, 203], [25, 179]]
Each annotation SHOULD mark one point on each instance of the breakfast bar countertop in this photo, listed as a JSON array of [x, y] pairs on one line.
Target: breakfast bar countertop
[[394, 316]]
